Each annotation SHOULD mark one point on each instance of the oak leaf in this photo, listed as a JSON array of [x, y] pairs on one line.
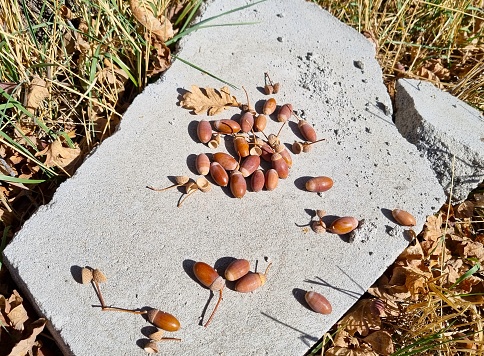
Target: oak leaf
[[208, 100], [361, 318], [37, 93], [160, 27], [24, 347], [381, 342], [59, 156]]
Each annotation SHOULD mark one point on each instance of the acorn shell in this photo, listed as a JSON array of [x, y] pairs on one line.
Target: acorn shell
[[343, 225], [318, 302], [237, 269], [151, 347], [98, 276], [163, 320], [203, 184], [86, 275], [403, 217], [250, 282]]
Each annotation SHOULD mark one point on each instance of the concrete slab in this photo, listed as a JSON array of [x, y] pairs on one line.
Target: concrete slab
[[105, 217], [443, 127]]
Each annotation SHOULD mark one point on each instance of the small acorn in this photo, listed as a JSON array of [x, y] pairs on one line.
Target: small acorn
[[251, 281], [269, 106], [226, 126], [202, 164], [237, 269], [241, 146], [228, 162], [319, 184], [403, 217], [318, 302], [209, 277], [219, 174], [271, 179], [163, 320], [260, 123], [257, 180], [285, 113], [247, 121], [307, 131], [204, 131], [280, 165], [249, 165], [238, 185]]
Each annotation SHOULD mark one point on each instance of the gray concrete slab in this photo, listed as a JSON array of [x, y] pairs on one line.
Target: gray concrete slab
[[443, 127], [105, 217]]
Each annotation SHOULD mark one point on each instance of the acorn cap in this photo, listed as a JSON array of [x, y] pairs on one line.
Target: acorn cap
[[151, 347], [98, 276], [86, 275], [157, 335], [297, 147], [181, 180], [320, 213], [203, 184], [318, 227], [306, 147]]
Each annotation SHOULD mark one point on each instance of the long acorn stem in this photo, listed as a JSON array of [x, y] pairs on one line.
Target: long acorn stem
[[215, 309]]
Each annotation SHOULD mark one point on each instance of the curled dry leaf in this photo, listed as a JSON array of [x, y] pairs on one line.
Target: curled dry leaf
[[24, 346], [161, 27], [160, 58], [37, 92], [381, 342], [208, 100], [360, 318], [59, 156]]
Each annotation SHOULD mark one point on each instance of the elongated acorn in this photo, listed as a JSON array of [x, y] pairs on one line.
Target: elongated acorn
[[237, 269], [260, 123], [249, 165], [241, 146], [251, 281], [269, 106], [209, 277], [403, 217], [202, 164], [228, 162], [285, 113], [257, 180], [282, 150], [204, 131], [247, 121], [307, 131], [318, 302], [343, 225], [319, 184], [163, 320], [219, 174], [226, 126], [280, 165], [267, 152], [272, 179], [238, 185]]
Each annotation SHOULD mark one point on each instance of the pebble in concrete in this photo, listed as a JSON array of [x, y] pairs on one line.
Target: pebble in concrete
[[446, 130], [105, 217]]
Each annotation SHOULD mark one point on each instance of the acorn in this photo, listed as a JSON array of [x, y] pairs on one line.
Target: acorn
[[307, 131], [257, 181], [285, 113], [219, 174], [226, 126], [209, 277], [319, 184], [241, 146], [204, 131], [260, 122], [249, 165], [269, 106], [251, 281], [202, 164], [280, 165], [271, 179], [238, 185], [237, 269], [343, 225], [247, 122], [318, 302], [282, 150], [163, 320], [403, 217], [228, 162]]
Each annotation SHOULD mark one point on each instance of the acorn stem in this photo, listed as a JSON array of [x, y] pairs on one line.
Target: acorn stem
[[267, 268], [281, 128], [170, 339], [131, 311], [181, 202], [266, 76], [310, 143], [163, 189], [215, 309], [99, 294]]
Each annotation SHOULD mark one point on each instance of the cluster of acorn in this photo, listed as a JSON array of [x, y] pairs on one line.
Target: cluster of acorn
[[163, 321], [238, 270]]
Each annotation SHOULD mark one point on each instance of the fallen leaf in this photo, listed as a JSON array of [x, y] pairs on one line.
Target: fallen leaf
[[23, 347], [37, 93], [18, 316], [59, 156], [464, 210], [161, 28], [208, 100], [343, 351], [160, 58], [381, 342], [361, 318]]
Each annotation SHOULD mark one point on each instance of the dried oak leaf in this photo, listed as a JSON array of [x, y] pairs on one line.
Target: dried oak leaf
[[37, 93], [24, 347], [364, 350], [161, 28], [59, 156], [361, 318], [381, 342], [208, 100]]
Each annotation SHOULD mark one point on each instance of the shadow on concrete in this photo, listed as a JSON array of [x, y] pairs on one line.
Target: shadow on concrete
[[322, 282], [307, 339]]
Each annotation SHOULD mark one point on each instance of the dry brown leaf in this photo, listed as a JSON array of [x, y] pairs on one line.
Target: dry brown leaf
[[160, 59], [381, 342], [433, 229], [23, 347], [37, 93], [361, 318], [208, 100], [18, 316], [8, 86], [59, 156], [464, 210], [423, 72], [436, 67], [343, 351], [161, 28]]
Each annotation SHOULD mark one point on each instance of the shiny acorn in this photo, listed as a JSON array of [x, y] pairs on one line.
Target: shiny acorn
[[271, 179], [307, 131], [228, 162], [403, 217], [219, 174], [209, 277], [285, 113], [237, 269], [247, 121], [280, 165], [238, 185], [260, 123], [226, 126], [204, 131], [241, 146], [318, 302], [251, 281], [319, 184], [269, 106], [343, 225], [249, 165], [163, 320], [202, 164], [257, 181]]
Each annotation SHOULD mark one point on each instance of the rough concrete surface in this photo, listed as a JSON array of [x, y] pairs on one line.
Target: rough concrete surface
[[443, 127], [105, 217]]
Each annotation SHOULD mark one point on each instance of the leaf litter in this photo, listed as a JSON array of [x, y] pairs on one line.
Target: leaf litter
[[208, 100]]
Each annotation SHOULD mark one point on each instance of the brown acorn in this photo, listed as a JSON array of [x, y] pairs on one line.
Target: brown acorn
[[318, 302], [163, 320], [343, 225], [260, 123], [403, 217], [204, 131], [237, 269], [251, 281], [249, 165], [238, 185], [319, 184], [219, 174], [280, 165], [209, 277], [241, 146], [202, 164], [257, 181], [282, 150], [285, 113], [272, 179], [269, 106], [247, 122], [228, 162], [226, 126], [307, 131]]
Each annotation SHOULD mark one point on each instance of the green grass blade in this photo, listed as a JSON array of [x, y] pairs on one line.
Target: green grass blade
[[29, 23], [466, 275], [123, 66], [20, 180], [207, 73], [192, 13]]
